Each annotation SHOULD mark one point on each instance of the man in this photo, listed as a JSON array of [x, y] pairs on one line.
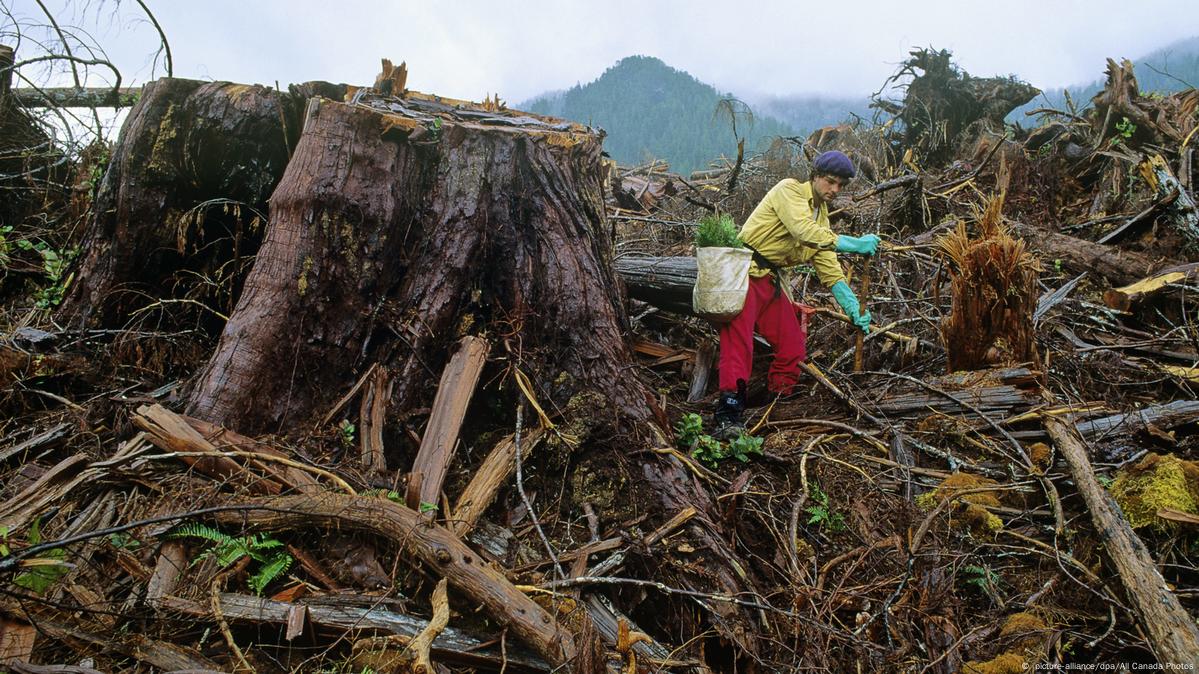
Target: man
[[789, 227]]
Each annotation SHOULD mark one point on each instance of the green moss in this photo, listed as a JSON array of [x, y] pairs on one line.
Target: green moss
[[161, 156], [1006, 663], [972, 509], [1156, 482], [302, 284]]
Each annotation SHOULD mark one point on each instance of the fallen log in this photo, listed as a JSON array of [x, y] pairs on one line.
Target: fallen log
[[664, 282], [1126, 298], [454, 392], [1166, 416], [1114, 264], [1171, 631], [431, 544], [451, 646]]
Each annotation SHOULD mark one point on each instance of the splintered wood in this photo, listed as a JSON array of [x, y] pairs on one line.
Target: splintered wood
[[445, 422]]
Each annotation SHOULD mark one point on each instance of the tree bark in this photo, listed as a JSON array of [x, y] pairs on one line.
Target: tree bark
[[393, 234], [183, 198]]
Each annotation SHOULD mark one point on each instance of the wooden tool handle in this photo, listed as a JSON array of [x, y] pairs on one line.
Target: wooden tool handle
[[859, 343]]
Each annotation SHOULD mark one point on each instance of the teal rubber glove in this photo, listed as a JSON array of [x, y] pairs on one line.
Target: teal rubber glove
[[849, 302], [865, 245]]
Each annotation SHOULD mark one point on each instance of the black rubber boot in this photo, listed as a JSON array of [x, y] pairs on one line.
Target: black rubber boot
[[730, 413]]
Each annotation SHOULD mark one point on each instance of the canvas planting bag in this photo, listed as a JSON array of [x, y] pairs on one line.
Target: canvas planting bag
[[722, 283]]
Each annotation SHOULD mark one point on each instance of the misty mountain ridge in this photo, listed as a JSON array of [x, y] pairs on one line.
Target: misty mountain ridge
[[652, 110]]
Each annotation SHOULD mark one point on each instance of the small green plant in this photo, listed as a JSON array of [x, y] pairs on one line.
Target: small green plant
[[689, 428], [5, 246], [44, 571], [717, 231], [54, 264], [985, 580], [273, 561], [123, 541], [743, 446], [1125, 128], [346, 432], [822, 514], [708, 450], [428, 507]]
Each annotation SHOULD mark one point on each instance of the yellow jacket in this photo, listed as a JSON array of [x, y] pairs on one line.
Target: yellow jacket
[[786, 230]]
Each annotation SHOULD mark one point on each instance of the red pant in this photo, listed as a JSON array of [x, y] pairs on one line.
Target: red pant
[[775, 319]]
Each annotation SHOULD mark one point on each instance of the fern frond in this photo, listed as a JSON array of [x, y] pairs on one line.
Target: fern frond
[[276, 567], [201, 531]]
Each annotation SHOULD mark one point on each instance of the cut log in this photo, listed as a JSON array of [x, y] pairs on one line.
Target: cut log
[[1116, 265], [171, 433], [398, 222], [664, 282], [997, 393], [184, 198], [1170, 629], [1127, 297], [495, 472], [225, 439], [55, 483], [431, 544], [451, 646], [457, 386], [45, 438], [159, 654], [1167, 416]]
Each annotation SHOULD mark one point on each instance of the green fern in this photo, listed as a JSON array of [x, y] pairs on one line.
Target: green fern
[[199, 530], [228, 550], [271, 570]]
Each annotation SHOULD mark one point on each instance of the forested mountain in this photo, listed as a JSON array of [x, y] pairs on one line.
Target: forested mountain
[[651, 110], [1172, 68]]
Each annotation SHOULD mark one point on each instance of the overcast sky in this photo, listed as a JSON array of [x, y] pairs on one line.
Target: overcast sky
[[519, 49]]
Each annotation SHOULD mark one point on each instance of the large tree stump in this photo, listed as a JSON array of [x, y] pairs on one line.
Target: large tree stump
[[183, 199], [403, 224]]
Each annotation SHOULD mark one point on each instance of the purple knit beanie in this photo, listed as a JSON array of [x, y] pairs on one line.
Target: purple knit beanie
[[834, 163]]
